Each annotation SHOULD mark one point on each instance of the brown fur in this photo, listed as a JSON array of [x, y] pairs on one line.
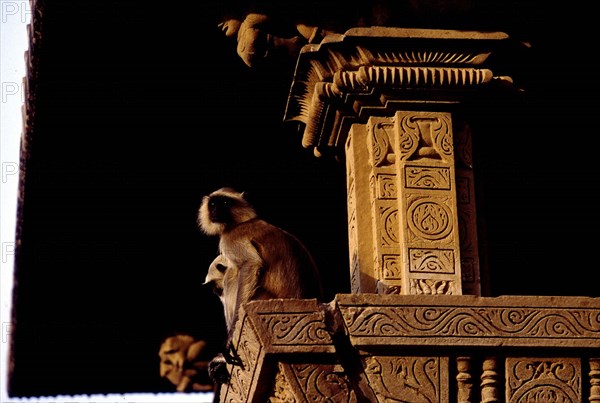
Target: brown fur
[[268, 261]]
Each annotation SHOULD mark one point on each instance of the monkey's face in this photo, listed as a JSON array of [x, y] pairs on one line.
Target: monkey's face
[[219, 208], [216, 272], [223, 209]]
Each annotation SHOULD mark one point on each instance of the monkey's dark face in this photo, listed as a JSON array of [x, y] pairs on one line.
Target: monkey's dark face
[[219, 209], [223, 209]]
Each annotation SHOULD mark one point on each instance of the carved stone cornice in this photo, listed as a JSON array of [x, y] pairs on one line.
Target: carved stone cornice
[[368, 347], [509, 321], [371, 71]]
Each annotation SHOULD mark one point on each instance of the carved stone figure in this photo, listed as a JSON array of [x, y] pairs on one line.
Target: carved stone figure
[[181, 363]]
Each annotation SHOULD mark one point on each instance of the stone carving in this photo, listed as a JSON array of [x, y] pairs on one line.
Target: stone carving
[[464, 380], [418, 177], [543, 380], [489, 381], [183, 364], [282, 390], [467, 219], [420, 286], [431, 260], [429, 218], [413, 203], [594, 379], [404, 379], [324, 382], [482, 323], [407, 348], [248, 350], [304, 328]]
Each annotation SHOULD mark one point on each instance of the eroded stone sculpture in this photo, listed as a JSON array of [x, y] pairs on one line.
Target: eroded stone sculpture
[[182, 363]]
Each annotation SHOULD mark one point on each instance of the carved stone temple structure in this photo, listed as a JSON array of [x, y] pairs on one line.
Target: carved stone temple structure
[[396, 106]]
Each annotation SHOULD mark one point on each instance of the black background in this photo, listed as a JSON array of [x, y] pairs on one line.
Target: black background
[[142, 109]]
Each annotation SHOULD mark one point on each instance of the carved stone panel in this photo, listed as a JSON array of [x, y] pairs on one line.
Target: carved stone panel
[[543, 380], [360, 224], [409, 161], [242, 376], [407, 379]]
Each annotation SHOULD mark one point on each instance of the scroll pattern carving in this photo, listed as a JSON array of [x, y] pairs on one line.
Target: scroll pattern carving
[[543, 380], [477, 322], [414, 379], [413, 203], [392, 267], [428, 218], [381, 147], [383, 202], [431, 260], [322, 383], [409, 136], [296, 329], [419, 177], [386, 187], [241, 375]]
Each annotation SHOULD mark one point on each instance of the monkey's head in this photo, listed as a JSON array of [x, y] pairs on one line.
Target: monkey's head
[[223, 209], [216, 272]]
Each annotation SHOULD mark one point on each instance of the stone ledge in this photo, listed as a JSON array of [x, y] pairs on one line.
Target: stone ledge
[[371, 347]]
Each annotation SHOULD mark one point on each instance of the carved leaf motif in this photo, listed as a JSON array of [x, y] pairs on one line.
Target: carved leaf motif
[[380, 143], [442, 135], [538, 380], [386, 186], [431, 287], [409, 135], [391, 267], [429, 219]]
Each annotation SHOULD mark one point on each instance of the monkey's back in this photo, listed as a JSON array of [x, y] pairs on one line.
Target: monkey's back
[[288, 268]]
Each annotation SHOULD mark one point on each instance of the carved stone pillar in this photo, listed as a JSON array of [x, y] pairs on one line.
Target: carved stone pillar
[[393, 103]]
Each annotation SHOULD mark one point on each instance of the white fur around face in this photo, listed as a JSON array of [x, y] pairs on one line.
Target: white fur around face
[[241, 211], [206, 224]]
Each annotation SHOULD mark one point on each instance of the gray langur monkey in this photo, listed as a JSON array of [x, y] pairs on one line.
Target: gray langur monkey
[[268, 261], [222, 278]]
